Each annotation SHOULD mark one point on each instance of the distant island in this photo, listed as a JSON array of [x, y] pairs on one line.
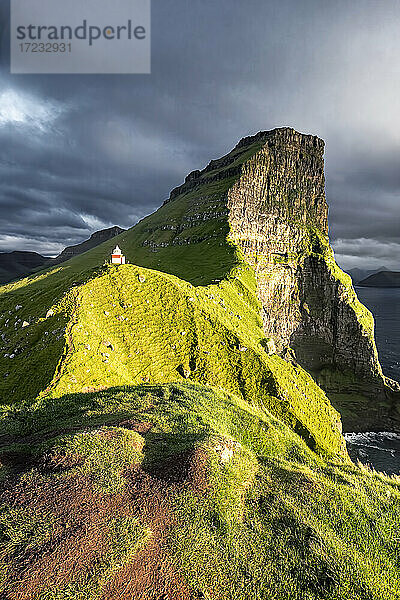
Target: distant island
[[383, 279], [358, 274]]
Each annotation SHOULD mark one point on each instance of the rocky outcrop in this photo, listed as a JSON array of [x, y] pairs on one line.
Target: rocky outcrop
[[279, 218], [270, 190], [252, 226], [264, 202]]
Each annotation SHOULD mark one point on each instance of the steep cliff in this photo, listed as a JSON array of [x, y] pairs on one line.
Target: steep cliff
[[268, 197], [250, 233], [278, 217], [274, 203]]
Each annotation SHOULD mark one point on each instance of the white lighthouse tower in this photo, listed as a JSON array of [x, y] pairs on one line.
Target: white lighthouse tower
[[117, 258]]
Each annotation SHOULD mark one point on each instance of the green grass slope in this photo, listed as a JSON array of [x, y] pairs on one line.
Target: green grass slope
[[128, 325], [184, 491], [187, 310], [154, 446], [200, 254]]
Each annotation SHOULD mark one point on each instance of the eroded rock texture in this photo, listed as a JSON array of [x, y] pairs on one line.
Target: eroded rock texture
[[271, 191], [279, 218]]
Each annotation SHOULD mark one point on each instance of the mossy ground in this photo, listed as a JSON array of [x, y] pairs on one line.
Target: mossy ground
[[248, 510]]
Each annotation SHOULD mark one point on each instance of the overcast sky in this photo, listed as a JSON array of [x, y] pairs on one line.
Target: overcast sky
[[79, 153]]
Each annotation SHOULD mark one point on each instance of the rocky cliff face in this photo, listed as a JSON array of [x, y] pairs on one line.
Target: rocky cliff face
[[247, 238], [279, 218], [272, 194], [150, 411]]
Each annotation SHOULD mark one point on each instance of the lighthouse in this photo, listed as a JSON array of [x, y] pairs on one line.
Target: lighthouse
[[117, 258]]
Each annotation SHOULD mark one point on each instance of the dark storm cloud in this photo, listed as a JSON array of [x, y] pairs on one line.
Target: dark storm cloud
[[367, 189], [81, 152]]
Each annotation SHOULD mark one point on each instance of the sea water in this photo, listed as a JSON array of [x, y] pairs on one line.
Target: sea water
[[384, 303], [381, 450]]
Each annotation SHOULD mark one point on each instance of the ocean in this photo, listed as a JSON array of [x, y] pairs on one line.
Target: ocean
[[381, 450], [384, 303]]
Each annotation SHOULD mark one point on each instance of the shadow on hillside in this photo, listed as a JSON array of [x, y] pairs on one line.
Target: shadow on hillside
[[200, 264], [48, 284], [27, 431]]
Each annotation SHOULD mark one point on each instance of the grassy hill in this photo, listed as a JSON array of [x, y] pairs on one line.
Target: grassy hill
[[155, 446], [17, 264], [126, 325]]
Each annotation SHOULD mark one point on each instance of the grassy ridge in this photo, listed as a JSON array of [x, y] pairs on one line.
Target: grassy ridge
[[93, 326], [130, 325]]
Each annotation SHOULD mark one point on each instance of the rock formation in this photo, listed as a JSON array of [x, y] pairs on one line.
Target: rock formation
[[278, 216], [250, 232], [153, 443], [267, 199]]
